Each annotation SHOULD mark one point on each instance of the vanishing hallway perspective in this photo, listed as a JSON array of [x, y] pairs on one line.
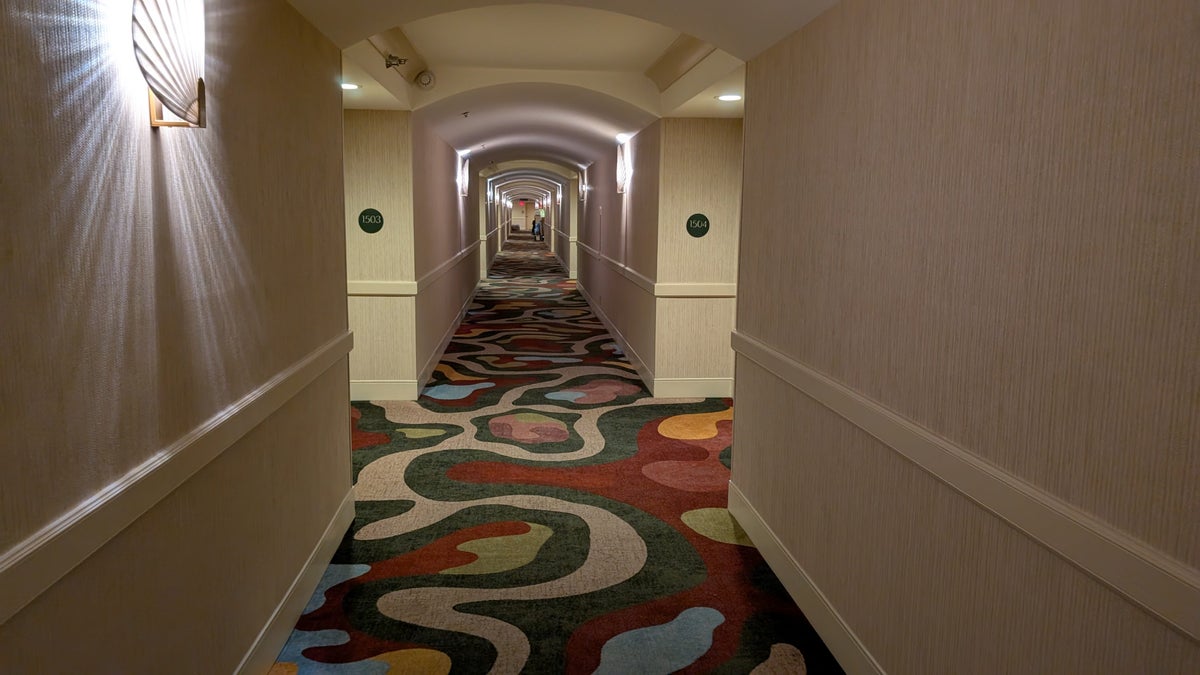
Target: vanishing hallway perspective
[[537, 511]]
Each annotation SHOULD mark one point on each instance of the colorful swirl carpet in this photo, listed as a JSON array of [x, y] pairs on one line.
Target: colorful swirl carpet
[[537, 511]]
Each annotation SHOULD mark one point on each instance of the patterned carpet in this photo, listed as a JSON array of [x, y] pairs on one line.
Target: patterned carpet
[[537, 511]]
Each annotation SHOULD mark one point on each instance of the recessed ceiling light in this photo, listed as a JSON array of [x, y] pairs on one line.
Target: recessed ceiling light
[[621, 138], [729, 97], [349, 85]]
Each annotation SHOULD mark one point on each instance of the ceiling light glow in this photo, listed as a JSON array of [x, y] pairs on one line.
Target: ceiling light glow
[[729, 97], [348, 86]]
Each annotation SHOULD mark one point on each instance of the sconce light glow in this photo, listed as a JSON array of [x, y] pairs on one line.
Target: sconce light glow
[[349, 86], [168, 41], [729, 97], [622, 138]]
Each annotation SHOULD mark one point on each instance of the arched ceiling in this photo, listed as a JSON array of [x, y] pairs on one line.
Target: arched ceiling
[[743, 29], [552, 80], [557, 123]]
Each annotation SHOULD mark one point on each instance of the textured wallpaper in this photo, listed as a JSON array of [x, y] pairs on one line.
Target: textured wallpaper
[[149, 279], [379, 175], [701, 173], [984, 217], [929, 581], [643, 200]]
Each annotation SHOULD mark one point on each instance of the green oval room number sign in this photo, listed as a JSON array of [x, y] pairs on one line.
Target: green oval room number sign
[[370, 220], [697, 225]]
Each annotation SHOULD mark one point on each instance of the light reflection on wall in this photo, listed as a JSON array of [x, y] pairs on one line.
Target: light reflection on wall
[[138, 310]]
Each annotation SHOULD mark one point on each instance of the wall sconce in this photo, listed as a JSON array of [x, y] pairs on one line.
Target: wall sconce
[[168, 40], [624, 164], [464, 176]]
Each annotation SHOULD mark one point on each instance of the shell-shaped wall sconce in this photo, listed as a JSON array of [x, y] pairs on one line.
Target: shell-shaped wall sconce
[[168, 40]]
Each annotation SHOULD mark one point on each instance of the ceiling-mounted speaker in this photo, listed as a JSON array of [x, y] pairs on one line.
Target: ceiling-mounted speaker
[[425, 79]]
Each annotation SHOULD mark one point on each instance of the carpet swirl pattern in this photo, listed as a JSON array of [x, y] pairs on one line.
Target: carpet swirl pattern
[[537, 511]]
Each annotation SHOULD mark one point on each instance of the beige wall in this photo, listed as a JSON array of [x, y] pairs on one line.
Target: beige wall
[[701, 173], [658, 288], [384, 341], [487, 224], [693, 343], [643, 199], [379, 174], [189, 585], [440, 228], [567, 231], [982, 218], [150, 280], [601, 224], [429, 265], [626, 307], [446, 247]]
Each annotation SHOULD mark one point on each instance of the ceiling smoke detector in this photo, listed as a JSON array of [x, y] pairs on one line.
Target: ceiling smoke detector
[[425, 79]]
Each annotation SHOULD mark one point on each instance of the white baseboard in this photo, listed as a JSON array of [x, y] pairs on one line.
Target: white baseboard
[[845, 646], [692, 387], [262, 654], [384, 390], [646, 375]]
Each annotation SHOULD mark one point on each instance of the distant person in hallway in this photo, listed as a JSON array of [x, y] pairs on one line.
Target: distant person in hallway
[[537, 229]]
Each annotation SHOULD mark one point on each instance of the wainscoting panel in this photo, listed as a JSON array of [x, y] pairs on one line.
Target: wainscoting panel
[[908, 561], [384, 330], [34, 565]]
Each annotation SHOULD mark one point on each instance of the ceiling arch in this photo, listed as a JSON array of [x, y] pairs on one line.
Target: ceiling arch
[[563, 78], [744, 32], [534, 167], [561, 124]]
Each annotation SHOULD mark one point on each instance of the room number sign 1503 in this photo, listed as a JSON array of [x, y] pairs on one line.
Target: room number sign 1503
[[370, 220]]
